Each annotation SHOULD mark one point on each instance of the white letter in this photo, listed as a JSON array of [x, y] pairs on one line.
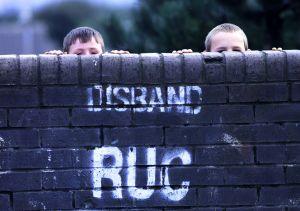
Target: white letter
[[91, 97], [141, 99], [173, 98], [140, 193], [156, 92], [99, 88], [170, 193], [197, 110], [108, 95], [111, 172], [119, 96], [189, 89]]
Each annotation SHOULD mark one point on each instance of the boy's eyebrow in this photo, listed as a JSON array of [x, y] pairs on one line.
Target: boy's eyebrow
[[94, 48], [237, 47], [78, 49], [221, 48]]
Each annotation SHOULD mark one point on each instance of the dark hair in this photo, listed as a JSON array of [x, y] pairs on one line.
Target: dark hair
[[84, 34]]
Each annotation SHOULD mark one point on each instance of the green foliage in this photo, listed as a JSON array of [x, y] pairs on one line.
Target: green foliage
[[166, 25], [61, 18], [175, 24]]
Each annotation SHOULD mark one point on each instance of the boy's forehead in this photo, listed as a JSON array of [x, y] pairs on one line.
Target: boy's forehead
[[85, 40], [78, 44], [228, 36], [227, 41]]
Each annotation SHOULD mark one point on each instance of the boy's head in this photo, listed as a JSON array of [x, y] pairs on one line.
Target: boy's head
[[226, 37], [83, 41]]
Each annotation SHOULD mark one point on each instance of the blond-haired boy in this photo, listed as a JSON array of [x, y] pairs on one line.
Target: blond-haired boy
[[226, 37]]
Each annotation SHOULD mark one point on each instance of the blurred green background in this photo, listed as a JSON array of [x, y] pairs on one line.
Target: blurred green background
[[166, 25]]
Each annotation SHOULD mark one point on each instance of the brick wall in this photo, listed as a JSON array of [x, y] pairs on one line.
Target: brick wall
[[151, 131]]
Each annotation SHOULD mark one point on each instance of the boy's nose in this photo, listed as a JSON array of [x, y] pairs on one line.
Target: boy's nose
[[86, 53]]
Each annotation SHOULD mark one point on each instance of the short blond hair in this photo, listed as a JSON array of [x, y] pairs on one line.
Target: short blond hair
[[225, 27], [84, 34]]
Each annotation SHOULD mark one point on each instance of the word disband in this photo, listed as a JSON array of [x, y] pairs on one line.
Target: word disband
[[145, 99]]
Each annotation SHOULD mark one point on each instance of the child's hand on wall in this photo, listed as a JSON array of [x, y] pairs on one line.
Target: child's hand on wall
[[277, 49], [55, 52], [119, 52], [183, 51]]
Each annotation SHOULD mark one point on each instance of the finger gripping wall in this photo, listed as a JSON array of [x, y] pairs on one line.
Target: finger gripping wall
[[205, 131]]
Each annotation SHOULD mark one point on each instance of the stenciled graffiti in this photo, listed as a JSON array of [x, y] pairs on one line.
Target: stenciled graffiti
[[112, 172], [185, 99]]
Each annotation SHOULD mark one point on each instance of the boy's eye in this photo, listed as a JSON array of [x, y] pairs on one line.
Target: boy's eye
[[237, 49], [220, 50], [78, 52], [94, 51]]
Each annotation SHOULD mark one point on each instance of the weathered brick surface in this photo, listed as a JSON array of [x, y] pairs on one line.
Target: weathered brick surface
[[255, 66], [227, 196], [293, 174], [28, 69], [9, 70], [295, 92], [220, 114], [64, 96], [193, 68], [235, 67], [173, 67], [151, 68], [42, 200], [27, 138], [84, 117], [280, 195], [91, 69], [277, 112], [65, 137], [4, 202], [18, 97], [214, 67], [227, 176], [131, 69], [222, 155], [154, 132], [38, 117], [3, 118], [133, 136], [111, 68], [39, 159], [258, 93], [20, 181], [69, 69], [293, 64], [284, 153], [49, 69], [276, 65]]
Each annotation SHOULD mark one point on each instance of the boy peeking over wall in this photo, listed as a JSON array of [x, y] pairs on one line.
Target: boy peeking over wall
[[83, 41]]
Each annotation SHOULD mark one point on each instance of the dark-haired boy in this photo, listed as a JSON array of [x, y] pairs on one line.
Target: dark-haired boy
[[83, 41]]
